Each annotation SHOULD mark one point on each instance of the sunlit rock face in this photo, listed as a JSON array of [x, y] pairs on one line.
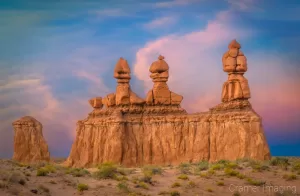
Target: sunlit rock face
[[29, 143], [134, 132]]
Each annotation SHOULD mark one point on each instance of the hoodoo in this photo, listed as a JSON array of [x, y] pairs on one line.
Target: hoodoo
[[29, 143], [132, 131]]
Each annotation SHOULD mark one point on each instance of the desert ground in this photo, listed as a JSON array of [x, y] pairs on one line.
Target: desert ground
[[279, 176]]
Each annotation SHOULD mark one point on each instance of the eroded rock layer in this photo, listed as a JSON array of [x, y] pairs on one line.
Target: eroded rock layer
[[133, 132], [29, 143], [138, 135]]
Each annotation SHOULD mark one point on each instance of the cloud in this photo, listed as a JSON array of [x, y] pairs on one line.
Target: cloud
[[160, 22], [173, 3], [116, 12], [196, 71], [56, 93], [198, 49], [97, 84], [243, 5]]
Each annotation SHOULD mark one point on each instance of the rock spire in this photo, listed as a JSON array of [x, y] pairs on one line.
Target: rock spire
[[160, 94], [235, 64]]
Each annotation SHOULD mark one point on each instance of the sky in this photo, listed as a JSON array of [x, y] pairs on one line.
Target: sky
[[56, 55]]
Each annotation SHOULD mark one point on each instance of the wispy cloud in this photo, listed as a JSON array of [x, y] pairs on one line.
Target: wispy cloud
[[115, 12], [97, 84], [244, 5], [173, 3], [202, 50], [160, 22]]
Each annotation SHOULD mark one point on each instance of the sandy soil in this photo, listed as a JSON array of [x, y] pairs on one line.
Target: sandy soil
[[243, 177]]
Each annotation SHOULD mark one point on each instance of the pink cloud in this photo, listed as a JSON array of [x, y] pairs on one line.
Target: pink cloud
[[97, 84], [160, 22], [190, 55], [196, 71], [243, 5]]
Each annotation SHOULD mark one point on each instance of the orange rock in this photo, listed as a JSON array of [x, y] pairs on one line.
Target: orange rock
[[96, 102], [109, 100], [29, 143], [158, 131], [160, 94], [235, 63]]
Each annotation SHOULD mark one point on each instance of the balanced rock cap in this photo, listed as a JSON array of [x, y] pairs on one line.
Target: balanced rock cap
[[159, 66], [234, 44], [122, 66]]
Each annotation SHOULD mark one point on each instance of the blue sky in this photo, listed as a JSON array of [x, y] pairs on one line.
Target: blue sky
[[55, 55]]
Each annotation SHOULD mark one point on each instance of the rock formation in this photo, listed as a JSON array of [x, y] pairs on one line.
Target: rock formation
[[235, 63], [124, 95], [159, 131], [29, 143], [160, 94]]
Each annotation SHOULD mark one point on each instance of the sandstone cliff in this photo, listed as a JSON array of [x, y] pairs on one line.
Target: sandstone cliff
[[29, 143], [159, 131]]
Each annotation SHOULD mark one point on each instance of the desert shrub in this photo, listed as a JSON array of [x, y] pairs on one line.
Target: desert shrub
[[163, 193], [255, 182], [43, 188], [22, 164], [142, 185], [191, 184], [220, 183], [217, 166], [241, 176], [121, 178], [296, 166], [16, 178], [4, 175], [152, 170], [174, 193], [258, 166], [279, 161], [232, 165], [82, 187], [123, 186], [175, 184], [236, 193], [290, 177], [207, 174], [146, 179], [211, 172], [50, 168], [106, 170], [77, 172], [183, 177], [185, 168], [38, 164], [201, 166], [42, 172], [209, 190], [230, 172], [224, 162]]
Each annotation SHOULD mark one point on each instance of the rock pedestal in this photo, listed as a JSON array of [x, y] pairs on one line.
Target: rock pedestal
[[235, 63], [124, 95], [159, 131], [29, 143], [160, 94]]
